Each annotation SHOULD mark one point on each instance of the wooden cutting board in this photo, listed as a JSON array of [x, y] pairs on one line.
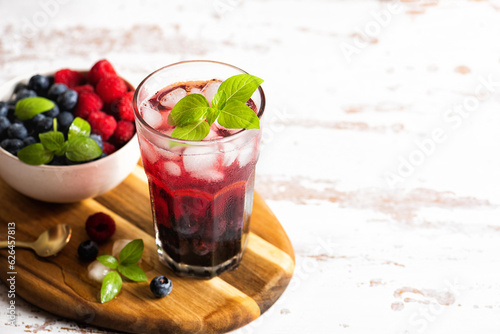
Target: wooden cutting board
[[60, 285]]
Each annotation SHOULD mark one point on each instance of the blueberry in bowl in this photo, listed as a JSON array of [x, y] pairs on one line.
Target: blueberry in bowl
[[59, 142]]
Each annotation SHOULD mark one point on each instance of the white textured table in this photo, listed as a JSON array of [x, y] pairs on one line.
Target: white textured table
[[381, 154]]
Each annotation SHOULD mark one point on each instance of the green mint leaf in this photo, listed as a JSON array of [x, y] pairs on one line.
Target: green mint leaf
[[191, 108], [53, 141], [239, 87], [237, 115], [192, 131], [133, 272], [132, 252], [82, 148], [79, 127], [212, 114], [30, 106], [111, 285], [35, 154], [219, 99], [108, 261]]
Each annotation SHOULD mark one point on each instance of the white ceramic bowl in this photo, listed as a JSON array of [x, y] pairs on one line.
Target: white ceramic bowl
[[65, 184]]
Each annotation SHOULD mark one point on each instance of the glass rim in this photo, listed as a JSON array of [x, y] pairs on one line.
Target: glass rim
[[193, 142]]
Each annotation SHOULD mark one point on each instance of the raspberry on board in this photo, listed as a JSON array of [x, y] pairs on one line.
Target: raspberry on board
[[100, 227]]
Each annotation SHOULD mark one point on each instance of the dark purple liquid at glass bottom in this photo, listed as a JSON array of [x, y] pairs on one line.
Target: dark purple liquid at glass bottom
[[201, 224], [200, 229]]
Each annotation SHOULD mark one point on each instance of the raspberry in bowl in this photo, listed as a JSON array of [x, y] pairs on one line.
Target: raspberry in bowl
[[80, 146]]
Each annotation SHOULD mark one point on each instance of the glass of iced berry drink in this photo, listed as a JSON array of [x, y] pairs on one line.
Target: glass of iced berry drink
[[201, 191]]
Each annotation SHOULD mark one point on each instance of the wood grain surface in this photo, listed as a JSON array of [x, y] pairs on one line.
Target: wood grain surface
[[391, 234], [60, 284]]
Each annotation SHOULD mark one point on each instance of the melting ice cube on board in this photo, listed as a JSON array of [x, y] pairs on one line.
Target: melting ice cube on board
[[97, 271], [118, 246], [171, 98], [210, 89]]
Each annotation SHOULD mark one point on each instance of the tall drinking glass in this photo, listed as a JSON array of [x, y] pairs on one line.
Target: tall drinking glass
[[201, 191]]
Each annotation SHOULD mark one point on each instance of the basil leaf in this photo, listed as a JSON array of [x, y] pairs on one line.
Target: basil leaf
[[82, 148], [133, 272], [54, 141], [239, 87], [212, 114], [132, 252], [111, 285], [79, 127], [28, 107], [237, 115], [189, 109], [35, 154], [192, 131], [219, 99], [108, 261]]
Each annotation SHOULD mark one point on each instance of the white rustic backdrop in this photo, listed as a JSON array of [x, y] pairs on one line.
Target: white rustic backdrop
[[381, 153]]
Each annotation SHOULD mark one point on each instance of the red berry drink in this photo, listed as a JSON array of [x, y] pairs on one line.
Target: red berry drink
[[201, 191]]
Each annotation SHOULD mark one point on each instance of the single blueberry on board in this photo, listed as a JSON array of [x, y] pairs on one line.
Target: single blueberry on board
[[87, 251], [160, 286]]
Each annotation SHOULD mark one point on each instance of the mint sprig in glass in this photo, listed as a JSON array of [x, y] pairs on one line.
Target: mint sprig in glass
[[192, 116], [200, 167]]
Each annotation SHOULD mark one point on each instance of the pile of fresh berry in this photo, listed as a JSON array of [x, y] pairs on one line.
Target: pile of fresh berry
[[100, 227], [100, 97]]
